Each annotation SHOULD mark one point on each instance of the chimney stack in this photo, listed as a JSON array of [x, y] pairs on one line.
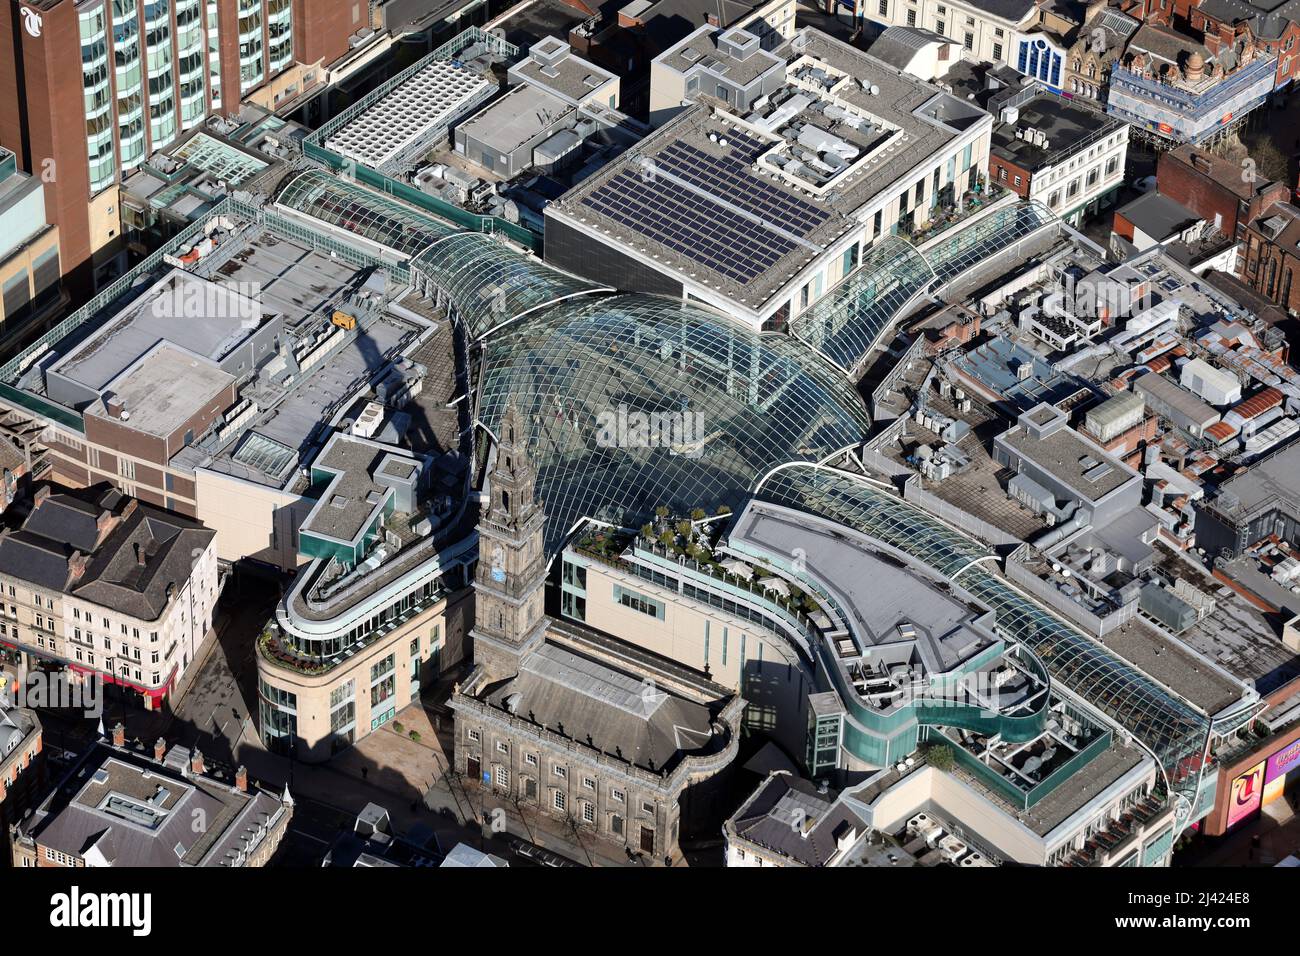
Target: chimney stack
[[39, 497], [139, 554], [76, 566], [196, 761], [241, 779], [119, 735], [159, 749]]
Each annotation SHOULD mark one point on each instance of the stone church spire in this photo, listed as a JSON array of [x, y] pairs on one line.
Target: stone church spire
[[510, 581]]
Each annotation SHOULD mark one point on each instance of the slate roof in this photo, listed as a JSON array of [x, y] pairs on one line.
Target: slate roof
[[145, 553], [83, 816], [651, 727], [765, 820], [15, 725]]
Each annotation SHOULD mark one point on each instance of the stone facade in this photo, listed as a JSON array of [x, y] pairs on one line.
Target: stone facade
[[559, 777], [529, 759], [509, 584]]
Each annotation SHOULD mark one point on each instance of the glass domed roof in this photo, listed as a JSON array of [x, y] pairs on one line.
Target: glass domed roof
[[635, 401]]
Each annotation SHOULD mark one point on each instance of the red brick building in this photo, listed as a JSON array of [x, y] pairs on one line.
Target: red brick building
[[1271, 260], [150, 72], [1225, 194], [1225, 24]]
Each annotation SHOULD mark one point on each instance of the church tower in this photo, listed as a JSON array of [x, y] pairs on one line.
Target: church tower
[[510, 582]]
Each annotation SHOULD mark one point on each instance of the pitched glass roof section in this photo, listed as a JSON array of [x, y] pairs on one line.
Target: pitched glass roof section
[[491, 284], [220, 159], [973, 244], [721, 405], [265, 454], [363, 212], [1173, 731], [847, 322]]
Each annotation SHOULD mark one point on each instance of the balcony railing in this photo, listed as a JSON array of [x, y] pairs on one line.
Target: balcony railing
[[280, 649], [1120, 832]]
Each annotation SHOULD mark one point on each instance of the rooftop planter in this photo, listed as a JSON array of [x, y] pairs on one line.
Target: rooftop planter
[[278, 651]]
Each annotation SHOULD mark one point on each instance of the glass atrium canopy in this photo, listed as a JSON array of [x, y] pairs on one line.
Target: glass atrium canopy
[[847, 322], [366, 213], [986, 237], [1166, 724], [635, 401], [490, 284]]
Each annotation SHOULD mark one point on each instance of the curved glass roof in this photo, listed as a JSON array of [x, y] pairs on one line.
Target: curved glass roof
[[635, 401], [847, 322], [1171, 728], [366, 213], [971, 245], [491, 284]]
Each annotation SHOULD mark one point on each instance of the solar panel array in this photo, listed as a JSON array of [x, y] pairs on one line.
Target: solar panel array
[[717, 230], [729, 177], [700, 229]]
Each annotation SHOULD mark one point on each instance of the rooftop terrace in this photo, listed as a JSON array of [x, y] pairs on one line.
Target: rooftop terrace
[[769, 187]]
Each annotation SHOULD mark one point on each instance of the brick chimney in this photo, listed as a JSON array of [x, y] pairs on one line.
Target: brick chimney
[[159, 749], [39, 497], [241, 779], [139, 554], [105, 522], [196, 761], [119, 735], [76, 566]]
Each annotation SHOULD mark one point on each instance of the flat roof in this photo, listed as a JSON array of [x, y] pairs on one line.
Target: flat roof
[[1081, 787], [524, 112], [994, 364], [1071, 459], [1158, 215], [432, 97], [565, 73], [164, 313], [296, 412], [1236, 635], [166, 389], [1277, 476], [701, 48], [1066, 125], [353, 497], [1172, 665], [881, 594], [705, 197]]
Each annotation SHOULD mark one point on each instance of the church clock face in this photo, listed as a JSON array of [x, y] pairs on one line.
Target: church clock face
[[498, 565]]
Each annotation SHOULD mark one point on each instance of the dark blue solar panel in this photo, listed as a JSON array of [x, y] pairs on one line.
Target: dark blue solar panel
[[729, 177], [691, 225]]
